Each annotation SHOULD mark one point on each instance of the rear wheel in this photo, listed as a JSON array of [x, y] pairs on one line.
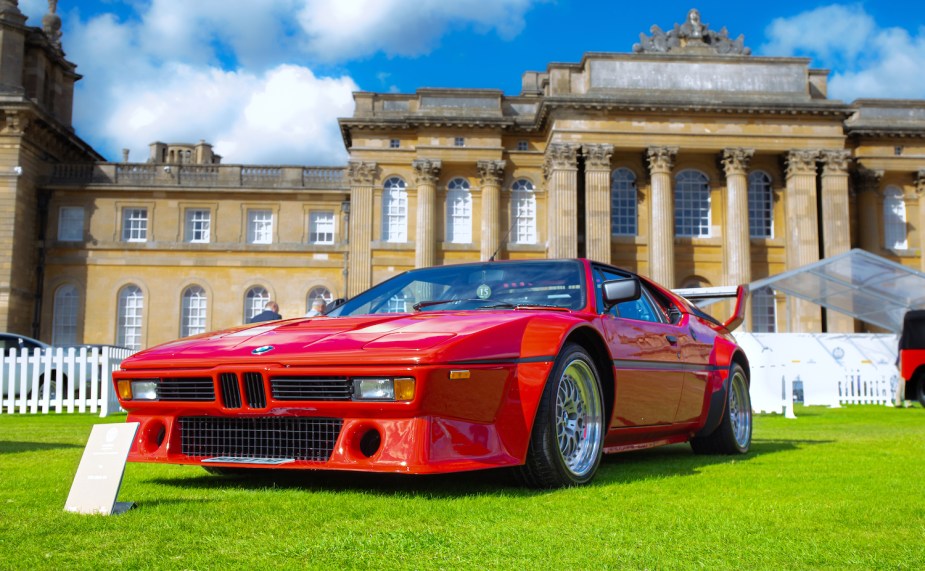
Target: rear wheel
[[568, 434], [918, 392], [734, 433]]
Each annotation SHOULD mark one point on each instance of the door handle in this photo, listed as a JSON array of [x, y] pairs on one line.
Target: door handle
[[673, 339]]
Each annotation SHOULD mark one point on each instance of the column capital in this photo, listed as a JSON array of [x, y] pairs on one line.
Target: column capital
[[491, 172], [801, 161], [560, 156], [361, 173], [426, 171], [868, 180], [735, 161], [597, 157], [661, 159], [835, 161], [920, 183]]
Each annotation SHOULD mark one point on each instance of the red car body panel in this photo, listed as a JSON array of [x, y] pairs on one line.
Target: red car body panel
[[663, 378]]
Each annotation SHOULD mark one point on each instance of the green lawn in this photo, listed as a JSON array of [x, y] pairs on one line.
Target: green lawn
[[833, 489]]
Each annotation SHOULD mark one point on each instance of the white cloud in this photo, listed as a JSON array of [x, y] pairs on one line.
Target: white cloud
[[871, 61], [238, 73], [355, 28]]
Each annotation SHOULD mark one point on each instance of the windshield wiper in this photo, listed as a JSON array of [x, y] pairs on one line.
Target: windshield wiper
[[494, 303]]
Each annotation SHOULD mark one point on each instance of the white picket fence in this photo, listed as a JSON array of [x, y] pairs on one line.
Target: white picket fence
[[827, 369], [81, 380]]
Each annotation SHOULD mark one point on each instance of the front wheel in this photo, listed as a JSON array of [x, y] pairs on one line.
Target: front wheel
[[918, 392], [734, 433], [568, 433]]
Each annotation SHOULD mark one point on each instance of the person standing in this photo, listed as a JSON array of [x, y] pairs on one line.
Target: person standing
[[269, 313], [317, 307]]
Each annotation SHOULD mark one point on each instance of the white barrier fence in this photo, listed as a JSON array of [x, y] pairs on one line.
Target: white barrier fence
[[827, 369], [60, 380]]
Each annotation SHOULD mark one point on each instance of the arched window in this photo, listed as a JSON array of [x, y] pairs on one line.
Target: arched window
[[894, 219], [458, 212], [64, 329], [318, 292], [764, 311], [254, 301], [129, 317], [193, 315], [623, 209], [523, 212], [395, 210], [760, 205], [692, 204]]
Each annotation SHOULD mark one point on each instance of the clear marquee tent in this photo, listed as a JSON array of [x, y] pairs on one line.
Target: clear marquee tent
[[857, 283]]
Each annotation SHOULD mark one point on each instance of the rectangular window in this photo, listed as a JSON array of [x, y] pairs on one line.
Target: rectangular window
[[522, 146], [459, 142], [134, 224], [71, 224], [394, 143], [321, 228], [764, 311], [259, 226], [198, 223]]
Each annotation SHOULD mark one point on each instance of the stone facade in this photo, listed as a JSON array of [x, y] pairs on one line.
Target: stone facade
[[601, 158]]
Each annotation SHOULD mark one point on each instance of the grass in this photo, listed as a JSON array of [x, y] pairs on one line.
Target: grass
[[833, 489]]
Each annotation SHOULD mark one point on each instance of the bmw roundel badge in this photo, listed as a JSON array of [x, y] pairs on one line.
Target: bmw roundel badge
[[262, 350]]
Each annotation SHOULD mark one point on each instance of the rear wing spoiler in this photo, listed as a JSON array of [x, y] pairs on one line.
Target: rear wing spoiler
[[704, 296]]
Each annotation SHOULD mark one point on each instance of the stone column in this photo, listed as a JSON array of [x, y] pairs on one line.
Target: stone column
[[867, 187], [802, 240], [920, 191], [597, 202], [491, 173], [361, 176], [737, 256], [426, 172], [836, 231], [661, 216], [561, 171]]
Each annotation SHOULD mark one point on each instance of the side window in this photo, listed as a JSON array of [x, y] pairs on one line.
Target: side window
[[642, 309]]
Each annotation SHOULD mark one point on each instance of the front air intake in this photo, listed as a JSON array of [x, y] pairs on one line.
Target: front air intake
[[254, 390]]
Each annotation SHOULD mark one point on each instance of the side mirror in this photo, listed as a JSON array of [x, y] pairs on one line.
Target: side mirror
[[618, 291]]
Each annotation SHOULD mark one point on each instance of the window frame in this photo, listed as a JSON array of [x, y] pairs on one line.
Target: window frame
[[134, 228], [395, 189], [523, 196], [458, 211], [760, 205], [193, 323], [255, 235], [622, 197], [692, 197], [315, 227], [895, 219], [67, 226]]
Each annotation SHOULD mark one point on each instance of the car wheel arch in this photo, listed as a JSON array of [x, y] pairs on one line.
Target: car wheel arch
[[592, 342]]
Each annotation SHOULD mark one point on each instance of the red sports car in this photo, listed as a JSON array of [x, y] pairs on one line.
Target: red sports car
[[540, 365]]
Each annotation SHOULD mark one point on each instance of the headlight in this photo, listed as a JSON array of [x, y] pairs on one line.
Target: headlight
[[383, 389], [137, 390]]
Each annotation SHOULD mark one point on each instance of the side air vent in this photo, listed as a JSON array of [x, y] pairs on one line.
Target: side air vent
[[231, 391], [256, 393]]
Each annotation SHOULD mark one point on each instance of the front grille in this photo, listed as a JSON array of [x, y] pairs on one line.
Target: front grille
[[311, 388], [255, 391], [231, 391], [298, 438], [186, 389]]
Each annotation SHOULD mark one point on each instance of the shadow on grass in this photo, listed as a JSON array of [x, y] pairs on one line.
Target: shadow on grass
[[11, 447], [679, 460], [661, 462]]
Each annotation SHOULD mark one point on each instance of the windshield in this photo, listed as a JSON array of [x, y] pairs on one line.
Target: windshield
[[493, 285]]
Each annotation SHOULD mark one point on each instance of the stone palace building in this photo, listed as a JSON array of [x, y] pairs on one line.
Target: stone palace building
[[686, 159]]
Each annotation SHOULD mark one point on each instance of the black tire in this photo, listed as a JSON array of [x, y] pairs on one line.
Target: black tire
[[734, 433], [918, 392], [568, 433]]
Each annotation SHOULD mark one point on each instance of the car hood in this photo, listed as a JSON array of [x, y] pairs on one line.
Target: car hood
[[434, 337]]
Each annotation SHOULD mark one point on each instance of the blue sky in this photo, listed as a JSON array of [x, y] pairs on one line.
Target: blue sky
[[265, 80]]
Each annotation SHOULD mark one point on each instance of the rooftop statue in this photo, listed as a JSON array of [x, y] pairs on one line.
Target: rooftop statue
[[693, 37]]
